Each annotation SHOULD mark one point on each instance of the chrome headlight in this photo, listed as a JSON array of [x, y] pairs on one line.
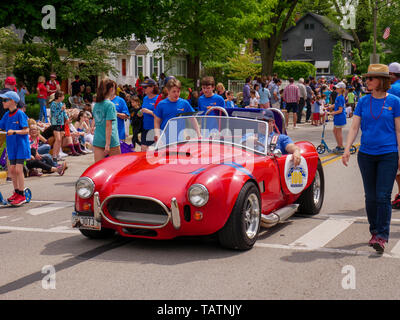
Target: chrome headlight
[[198, 195], [84, 187]]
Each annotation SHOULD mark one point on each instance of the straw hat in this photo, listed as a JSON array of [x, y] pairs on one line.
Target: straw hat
[[377, 70]]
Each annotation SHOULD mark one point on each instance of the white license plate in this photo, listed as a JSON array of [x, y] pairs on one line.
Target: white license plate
[[83, 222]]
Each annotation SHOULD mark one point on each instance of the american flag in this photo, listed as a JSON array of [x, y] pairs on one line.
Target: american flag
[[386, 34]]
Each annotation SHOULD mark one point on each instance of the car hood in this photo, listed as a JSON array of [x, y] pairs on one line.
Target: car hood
[[161, 175]]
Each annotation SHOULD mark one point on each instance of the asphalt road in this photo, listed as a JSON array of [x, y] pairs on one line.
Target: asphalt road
[[320, 257]]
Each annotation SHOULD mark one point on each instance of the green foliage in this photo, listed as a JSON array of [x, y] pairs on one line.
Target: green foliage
[[186, 83], [32, 110], [366, 51], [9, 44], [243, 66], [389, 16], [34, 60], [294, 69], [356, 59], [80, 22], [218, 70], [338, 64]]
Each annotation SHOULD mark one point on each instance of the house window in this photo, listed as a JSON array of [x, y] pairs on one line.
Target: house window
[[139, 65], [308, 45], [181, 67], [323, 67], [308, 26], [156, 68], [123, 67]]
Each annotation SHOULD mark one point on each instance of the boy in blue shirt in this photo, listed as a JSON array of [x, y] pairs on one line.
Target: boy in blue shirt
[[229, 103], [170, 108], [122, 114], [15, 124], [209, 99]]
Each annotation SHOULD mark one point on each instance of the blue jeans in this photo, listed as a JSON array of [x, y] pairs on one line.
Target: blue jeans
[[42, 111], [44, 148], [378, 173]]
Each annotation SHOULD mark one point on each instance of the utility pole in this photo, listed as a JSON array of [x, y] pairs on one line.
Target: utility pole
[[375, 58]]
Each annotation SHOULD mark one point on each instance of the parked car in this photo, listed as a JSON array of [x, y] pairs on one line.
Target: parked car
[[203, 177]]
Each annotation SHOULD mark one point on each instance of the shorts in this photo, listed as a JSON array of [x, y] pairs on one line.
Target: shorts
[[147, 137], [291, 107], [339, 126], [316, 116], [17, 161], [59, 128]]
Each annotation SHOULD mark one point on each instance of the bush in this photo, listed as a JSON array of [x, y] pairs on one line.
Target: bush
[[32, 110], [293, 69], [186, 83]]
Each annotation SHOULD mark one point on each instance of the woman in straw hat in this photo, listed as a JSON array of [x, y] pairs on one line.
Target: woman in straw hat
[[378, 115]]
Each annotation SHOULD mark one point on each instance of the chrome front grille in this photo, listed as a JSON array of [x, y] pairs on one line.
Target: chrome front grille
[[143, 211]]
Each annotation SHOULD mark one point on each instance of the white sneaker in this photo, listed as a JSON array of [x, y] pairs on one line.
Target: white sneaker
[[62, 154]]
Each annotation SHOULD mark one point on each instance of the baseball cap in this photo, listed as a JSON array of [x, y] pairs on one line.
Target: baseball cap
[[10, 95], [340, 85], [11, 81], [394, 67], [148, 82], [268, 115], [53, 75]]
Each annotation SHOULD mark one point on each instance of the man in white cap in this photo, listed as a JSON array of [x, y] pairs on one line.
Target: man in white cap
[[394, 72], [303, 98]]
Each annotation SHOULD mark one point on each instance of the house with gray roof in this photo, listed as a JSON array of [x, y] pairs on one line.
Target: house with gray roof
[[312, 40]]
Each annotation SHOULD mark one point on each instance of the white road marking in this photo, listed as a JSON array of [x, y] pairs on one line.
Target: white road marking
[[330, 250], [323, 233], [52, 230], [396, 249], [49, 208], [4, 217], [18, 219]]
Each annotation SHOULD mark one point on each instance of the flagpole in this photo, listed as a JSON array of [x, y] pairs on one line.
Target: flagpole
[[375, 58]]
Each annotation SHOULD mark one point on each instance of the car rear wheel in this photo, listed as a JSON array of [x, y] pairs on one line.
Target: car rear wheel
[[101, 234], [312, 198], [241, 230]]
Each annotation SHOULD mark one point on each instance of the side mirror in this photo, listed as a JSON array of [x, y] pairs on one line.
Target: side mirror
[[277, 153]]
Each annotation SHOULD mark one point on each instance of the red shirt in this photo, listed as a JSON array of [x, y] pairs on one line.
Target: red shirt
[[291, 93], [42, 91], [52, 86]]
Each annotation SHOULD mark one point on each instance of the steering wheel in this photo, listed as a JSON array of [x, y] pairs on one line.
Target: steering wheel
[[217, 108]]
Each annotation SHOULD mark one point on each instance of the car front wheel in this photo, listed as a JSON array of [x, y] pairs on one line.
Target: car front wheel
[[241, 230], [312, 198]]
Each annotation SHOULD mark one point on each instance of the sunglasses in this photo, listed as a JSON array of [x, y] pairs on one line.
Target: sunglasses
[[5, 99], [371, 78]]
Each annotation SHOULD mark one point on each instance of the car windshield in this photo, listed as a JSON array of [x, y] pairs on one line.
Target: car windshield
[[248, 133]]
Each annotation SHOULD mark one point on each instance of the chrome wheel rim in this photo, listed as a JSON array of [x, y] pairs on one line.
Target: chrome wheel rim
[[317, 188], [251, 215]]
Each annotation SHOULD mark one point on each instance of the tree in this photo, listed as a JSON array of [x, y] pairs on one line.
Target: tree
[[388, 17], [204, 30], [243, 66], [338, 65], [366, 50], [9, 44], [80, 22], [267, 21]]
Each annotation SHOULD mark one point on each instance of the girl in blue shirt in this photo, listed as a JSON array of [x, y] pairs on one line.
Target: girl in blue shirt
[[339, 116], [378, 116]]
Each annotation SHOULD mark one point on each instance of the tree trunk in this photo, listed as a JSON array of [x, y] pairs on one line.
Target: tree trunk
[[193, 69], [268, 52]]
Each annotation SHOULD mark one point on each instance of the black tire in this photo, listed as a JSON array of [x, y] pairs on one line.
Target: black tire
[[321, 149], [94, 234], [235, 233], [311, 200]]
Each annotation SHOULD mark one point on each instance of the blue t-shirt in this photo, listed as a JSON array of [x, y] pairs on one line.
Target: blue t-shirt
[[18, 146], [265, 95], [229, 104], [327, 93], [281, 144], [378, 129], [167, 109], [340, 119], [121, 107], [395, 89], [148, 120], [103, 111], [214, 101]]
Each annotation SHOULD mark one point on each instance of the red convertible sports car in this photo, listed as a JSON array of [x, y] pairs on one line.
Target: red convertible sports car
[[208, 174]]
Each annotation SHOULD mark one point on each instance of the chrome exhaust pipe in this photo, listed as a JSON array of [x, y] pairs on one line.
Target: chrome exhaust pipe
[[268, 221]]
